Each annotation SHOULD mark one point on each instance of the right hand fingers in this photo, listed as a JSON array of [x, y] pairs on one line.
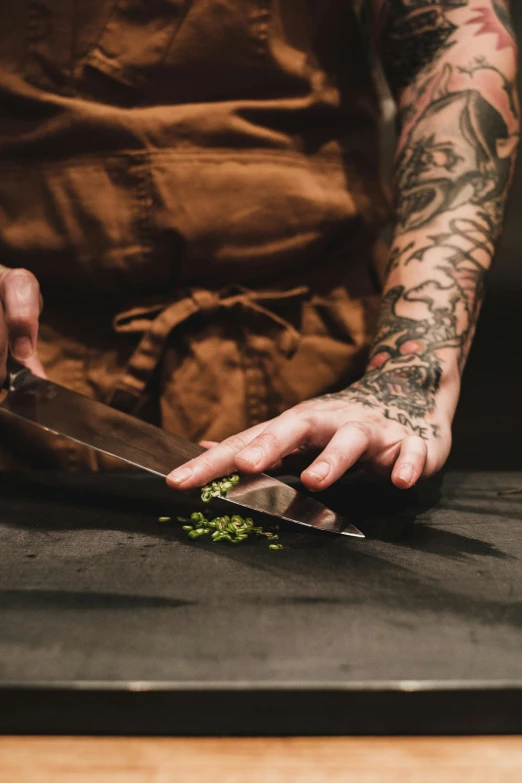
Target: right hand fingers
[[209, 444], [21, 300], [219, 460]]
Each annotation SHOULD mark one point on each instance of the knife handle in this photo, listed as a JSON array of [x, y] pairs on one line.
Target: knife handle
[[13, 368]]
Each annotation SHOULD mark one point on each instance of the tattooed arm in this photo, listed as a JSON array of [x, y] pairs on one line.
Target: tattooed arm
[[451, 65]]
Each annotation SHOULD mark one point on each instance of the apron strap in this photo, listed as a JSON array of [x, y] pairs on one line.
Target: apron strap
[[157, 321]]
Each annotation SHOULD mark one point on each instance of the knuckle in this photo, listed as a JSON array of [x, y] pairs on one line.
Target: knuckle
[[293, 414], [415, 448], [20, 322], [202, 464], [234, 445], [21, 299], [367, 428], [21, 277], [268, 441], [302, 413], [336, 453]]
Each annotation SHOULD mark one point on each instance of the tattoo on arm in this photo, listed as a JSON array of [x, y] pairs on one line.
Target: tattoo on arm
[[508, 85], [415, 33], [495, 19], [456, 153], [459, 132], [413, 36]]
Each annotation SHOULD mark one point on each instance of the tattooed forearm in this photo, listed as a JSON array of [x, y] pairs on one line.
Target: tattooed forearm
[[509, 85], [405, 371], [495, 19], [456, 153], [413, 35], [452, 65]]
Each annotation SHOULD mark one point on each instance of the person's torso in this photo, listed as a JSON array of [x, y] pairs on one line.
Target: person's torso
[[146, 143]]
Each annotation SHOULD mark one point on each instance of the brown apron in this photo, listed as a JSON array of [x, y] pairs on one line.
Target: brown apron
[[196, 184]]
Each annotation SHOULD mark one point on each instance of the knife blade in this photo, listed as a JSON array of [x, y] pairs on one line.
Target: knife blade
[[91, 423]]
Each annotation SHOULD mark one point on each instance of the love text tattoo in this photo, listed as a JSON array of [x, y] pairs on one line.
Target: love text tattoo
[[452, 66]]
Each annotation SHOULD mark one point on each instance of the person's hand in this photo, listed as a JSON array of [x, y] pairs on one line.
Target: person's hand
[[20, 306], [404, 437]]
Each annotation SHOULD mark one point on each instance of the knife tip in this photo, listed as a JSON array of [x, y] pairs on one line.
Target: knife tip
[[351, 530]]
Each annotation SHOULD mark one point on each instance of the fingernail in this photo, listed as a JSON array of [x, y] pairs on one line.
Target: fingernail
[[253, 455], [319, 471], [406, 473], [22, 348], [180, 475]]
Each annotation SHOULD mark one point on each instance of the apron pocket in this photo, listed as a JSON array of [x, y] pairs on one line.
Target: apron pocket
[[137, 39]]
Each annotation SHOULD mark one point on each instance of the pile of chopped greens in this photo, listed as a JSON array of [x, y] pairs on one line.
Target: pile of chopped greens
[[228, 529], [234, 529]]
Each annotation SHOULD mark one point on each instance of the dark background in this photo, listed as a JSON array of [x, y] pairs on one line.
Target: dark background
[[488, 425]]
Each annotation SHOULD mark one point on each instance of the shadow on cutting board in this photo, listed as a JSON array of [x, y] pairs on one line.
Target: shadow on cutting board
[[391, 570], [381, 511]]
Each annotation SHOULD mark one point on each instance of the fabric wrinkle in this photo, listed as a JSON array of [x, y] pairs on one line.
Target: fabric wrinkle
[[196, 185]]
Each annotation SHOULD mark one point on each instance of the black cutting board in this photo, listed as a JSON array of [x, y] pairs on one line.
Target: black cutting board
[[111, 621]]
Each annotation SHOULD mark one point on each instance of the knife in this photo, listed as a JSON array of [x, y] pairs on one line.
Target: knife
[[64, 412]]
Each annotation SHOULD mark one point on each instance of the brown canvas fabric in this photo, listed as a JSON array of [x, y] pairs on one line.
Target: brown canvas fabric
[[196, 185]]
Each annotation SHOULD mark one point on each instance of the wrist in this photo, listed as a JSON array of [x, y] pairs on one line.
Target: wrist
[[422, 388], [418, 366]]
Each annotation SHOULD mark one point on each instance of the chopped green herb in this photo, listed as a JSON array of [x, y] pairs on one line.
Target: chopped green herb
[[232, 530], [219, 488]]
